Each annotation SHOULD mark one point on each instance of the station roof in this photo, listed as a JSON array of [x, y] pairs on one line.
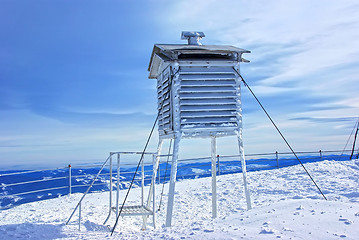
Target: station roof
[[171, 52]]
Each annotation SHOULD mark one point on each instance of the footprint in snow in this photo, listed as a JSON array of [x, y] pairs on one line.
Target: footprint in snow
[[267, 230], [300, 207], [346, 221], [288, 230]]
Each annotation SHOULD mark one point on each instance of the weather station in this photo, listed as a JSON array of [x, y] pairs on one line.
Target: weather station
[[199, 96]]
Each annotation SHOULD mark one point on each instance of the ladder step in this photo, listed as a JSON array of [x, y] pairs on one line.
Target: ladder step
[[134, 211]]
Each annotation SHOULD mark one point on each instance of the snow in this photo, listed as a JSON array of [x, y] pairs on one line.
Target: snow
[[286, 205]]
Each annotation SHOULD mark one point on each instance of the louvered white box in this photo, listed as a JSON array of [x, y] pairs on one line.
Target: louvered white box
[[198, 89], [199, 95]]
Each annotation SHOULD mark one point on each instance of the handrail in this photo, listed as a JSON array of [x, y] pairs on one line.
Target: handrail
[[35, 191], [31, 171], [223, 162], [34, 181], [83, 196]]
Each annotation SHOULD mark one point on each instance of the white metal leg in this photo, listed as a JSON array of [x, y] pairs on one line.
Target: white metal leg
[[214, 181], [155, 166], [172, 181], [154, 189], [153, 182], [244, 170]]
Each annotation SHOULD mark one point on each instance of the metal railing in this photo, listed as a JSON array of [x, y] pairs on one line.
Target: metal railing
[[76, 179]]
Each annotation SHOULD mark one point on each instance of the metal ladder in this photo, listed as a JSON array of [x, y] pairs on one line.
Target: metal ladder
[[144, 209]]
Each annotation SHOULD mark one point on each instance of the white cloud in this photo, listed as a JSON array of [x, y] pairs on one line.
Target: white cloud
[[307, 48]]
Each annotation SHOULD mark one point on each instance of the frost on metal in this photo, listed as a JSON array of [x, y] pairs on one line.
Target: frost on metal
[[192, 37], [198, 95], [198, 89]]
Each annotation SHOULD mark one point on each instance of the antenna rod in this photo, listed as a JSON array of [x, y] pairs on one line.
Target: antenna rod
[[285, 140]]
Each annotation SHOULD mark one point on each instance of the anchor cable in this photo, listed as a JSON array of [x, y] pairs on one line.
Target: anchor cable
[[350, 136], [280, 133], [355, 138]]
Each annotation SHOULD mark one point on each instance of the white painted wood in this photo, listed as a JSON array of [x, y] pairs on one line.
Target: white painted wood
[[171, 192], [198, 95], [214, 173]]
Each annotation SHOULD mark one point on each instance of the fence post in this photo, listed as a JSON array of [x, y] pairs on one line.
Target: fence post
[[111, 188], [70, 179], [276, 157], [321, 156], [80, 216], [218, 164]]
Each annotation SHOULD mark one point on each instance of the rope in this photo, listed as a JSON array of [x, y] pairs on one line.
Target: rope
[[280, 133], [348, 140], [355, 138], [164, 177]]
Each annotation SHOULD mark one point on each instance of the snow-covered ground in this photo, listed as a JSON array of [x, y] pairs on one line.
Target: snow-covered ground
[[286, 205]]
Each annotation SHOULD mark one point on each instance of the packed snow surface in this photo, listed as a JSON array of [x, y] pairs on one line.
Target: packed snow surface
[[286, 205]]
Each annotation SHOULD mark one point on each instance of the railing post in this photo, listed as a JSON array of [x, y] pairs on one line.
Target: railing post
[[80, 216], [70, 185], [118, 184], [110, 182], [219, 172], [321, 155], [142, 179], [276, 157]]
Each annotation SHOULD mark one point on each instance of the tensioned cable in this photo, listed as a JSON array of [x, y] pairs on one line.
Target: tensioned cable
[[345, 147], [144, 150], [164, 177], [355, 138], [280, 133]]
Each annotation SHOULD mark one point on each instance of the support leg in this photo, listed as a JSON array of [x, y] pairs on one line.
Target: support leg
[[144, 218], [214, 181], [154, 191], [172, 181], [153, 181], [244, 170]]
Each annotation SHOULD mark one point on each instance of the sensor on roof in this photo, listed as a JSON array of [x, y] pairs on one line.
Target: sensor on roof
[[192, 37]]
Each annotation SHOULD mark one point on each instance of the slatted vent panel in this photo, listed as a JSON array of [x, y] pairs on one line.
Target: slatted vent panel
[[164, 104], [208, 98]]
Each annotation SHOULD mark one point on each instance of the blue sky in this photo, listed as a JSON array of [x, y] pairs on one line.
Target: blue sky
[[74, 80]]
